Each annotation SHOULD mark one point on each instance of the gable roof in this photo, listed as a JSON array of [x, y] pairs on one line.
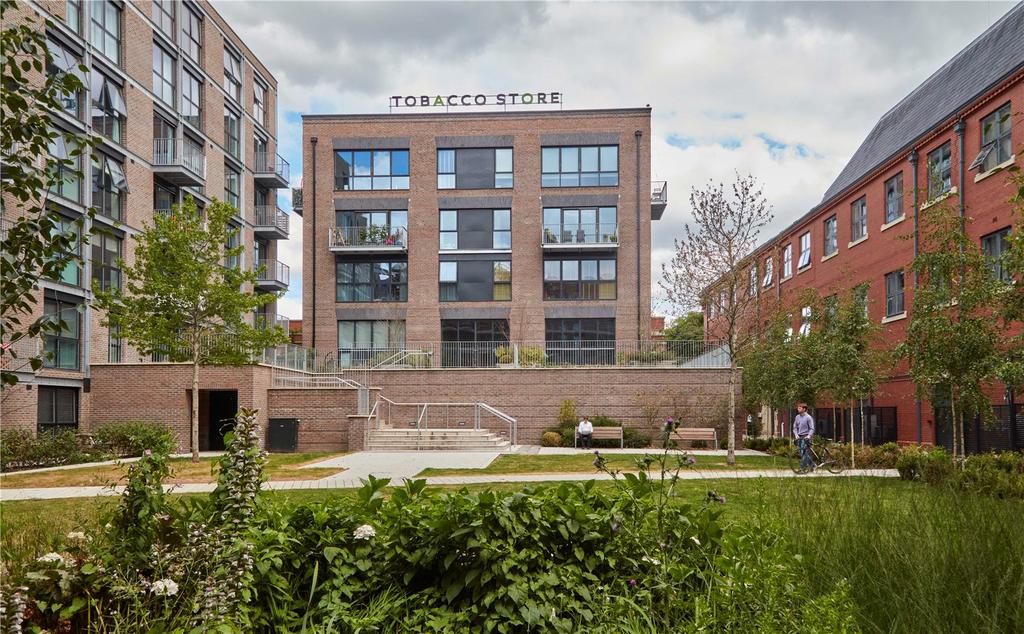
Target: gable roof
[[991, 57]]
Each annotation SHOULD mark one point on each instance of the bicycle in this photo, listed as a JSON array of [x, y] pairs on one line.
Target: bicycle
[[821, 456]]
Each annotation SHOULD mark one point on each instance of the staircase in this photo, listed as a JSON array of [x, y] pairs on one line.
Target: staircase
[[390, 439]]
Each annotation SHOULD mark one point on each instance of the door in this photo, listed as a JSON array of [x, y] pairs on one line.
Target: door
[[222, 410]]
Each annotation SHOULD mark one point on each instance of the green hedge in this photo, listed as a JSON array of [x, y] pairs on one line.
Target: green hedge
[[998, 475], [131, 438], [22, 449]]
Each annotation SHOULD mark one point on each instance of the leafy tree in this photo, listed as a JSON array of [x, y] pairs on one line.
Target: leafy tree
[[34, 245], [182, 300], [689, 327], [952, 340], [710, 261], [1011, 296]]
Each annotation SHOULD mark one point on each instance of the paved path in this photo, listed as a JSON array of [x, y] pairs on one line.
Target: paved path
[[103, 463], [401, 464], [568, 451]]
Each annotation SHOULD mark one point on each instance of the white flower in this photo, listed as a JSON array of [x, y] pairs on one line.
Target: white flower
[[651, 560], [76, 536], [164, 587], [695, 540], [51, 558], [364, 532]]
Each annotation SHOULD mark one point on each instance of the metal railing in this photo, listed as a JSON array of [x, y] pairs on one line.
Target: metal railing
[[172, 152], [297, 199], [428, 416], [272, 271], [271, 216], [581, 233], [372, 236], [659, 192], [270, 162], [272, 321]]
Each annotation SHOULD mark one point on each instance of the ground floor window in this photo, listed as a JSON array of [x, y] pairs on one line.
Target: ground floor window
[[367, 342], [580, 341], [473, 343], [58, 409]]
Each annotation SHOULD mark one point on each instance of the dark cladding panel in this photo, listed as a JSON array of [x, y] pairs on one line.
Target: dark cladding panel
[[474, 169]]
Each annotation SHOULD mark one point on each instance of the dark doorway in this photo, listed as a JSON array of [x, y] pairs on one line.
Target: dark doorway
[[222, 409]]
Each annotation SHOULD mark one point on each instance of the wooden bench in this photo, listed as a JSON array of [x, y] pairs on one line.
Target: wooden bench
[[603, 433], [690, 434]]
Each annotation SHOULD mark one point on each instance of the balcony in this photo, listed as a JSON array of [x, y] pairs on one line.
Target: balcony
[[659, 198], [270, 223], [179, 162], [297, 200], [580, 237], [272, 275], [372, 239], [271, 170], [268, 321]]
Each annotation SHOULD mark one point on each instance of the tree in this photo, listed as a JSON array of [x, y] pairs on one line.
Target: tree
[[689, 327], [711, 259], [1010, 308], [34, 247], [952, 340], [183, 298]]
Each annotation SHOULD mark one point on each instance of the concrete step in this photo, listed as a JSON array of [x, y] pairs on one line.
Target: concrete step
[[435, 440]]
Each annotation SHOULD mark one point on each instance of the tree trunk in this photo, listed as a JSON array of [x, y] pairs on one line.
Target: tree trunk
[[195, 412], [862, 426], [853, 443], [953, 427], [731, 427]]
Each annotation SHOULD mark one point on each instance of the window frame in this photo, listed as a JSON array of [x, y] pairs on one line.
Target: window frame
[[895, 298], [64, 168], [894, 186], [106, 274], [805, 252], [188, 79], [939, 164], [397, 291], [107, 96], [787, 261], [859, 219], [192, 39], [769, 272], [500, 281], [582, 287], [232, 196], [497, 233], [233, 82], [1002, 142], [102, 28], [73, 7], [566, 177], [347, 180], [159, 15], [60, 340], [232, 132], [259, 102], [830, 236], [115, 345], [163, 63], [50, 393], [107, 173], [555, 233], [997, 238]]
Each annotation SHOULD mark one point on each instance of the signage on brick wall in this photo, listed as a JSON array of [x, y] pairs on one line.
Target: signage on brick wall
[[462, 100]]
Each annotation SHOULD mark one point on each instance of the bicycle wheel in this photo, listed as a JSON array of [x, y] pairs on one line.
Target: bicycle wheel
[[795, 460], [835, 460]]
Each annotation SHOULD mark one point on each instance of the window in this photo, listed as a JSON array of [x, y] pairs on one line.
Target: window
[[503, 168], [587, 341], [109, 187], [62, 348], [860, 297], [234, 260], [805, 321], [940, 171], [448, 278], [105, 28], [831, 241], [231, 177], [63, 62], [259, 103], [501, 233], [579, 279], [995, 140], [769, 266], [894, 293], [163, 75], [115, 345], [502, 281], [449, 230], [371, 169], [57, 409], [232, 124], [580, 166], [73, 14], [752, 286], [106, 249], [232, 75], [805, 251], [164, 198], [72, 272], [859, 219], [446, 169], [191, 99], [894, 198], [787, 261], [192, 35], [994, 246], [65, 177], [587, 225], [371, 281], [109, 111], [360, 340], [385, 228], [163, 15], [474, 168]]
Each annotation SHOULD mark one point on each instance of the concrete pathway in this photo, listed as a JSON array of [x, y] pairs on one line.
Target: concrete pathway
[[401, 464], [568, 451], [103, 463]]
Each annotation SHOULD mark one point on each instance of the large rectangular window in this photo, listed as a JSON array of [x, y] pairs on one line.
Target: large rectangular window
[[73, 14], [787, 261], [769, 271], [163, 15], [109, 186], [586, 341], [106, 250], [368, 342], [894, 293], [940, 171], [805, 251], [371, 281], [474, 168], [371, 169], [163, 75], [115, 345], [381, 228], [501, 232], [859, 219], [580, 166], [105, 28], [233, 75], [259, 103], [234, 260], [994, 246], [831, 244], [62, 348], [579, 279], [63, 62], [65, 176], [109, 111], [995, 139], [502, 280], [473, 343], [231, 189], [192, 35], [232, 125], [71, 274], [475, 280], [57, 409], [191, 99], [894, 198], [585, 225], [475, 229]]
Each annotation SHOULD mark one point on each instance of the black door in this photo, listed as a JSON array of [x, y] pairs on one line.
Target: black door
[[223, 407], [282, 434]]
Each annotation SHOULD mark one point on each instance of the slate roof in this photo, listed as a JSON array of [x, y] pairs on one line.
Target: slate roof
[[991, 57]]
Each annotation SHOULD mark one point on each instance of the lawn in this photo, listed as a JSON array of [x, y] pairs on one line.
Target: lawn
[[584, 463], [280, 466]]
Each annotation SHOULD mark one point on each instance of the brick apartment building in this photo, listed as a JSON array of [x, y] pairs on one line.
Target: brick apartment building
[[951, 139], [181, 107], [474, 229]]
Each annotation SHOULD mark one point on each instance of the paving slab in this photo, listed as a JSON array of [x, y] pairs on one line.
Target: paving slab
[[570, 451], [401, 464]]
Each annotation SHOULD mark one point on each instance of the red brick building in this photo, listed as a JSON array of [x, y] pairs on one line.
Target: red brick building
[[951, 140]]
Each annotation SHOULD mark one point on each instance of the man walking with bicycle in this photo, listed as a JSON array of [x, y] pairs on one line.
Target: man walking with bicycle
[[803, 431]]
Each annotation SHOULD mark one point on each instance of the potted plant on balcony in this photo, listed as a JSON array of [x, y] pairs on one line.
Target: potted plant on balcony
[[504, 357], [549, 236]]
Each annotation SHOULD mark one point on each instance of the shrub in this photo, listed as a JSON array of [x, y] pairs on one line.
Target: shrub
[[636, 438], [567, 413], [531, 356], [503, 354], [550, 439], [877, 457], [933, 466], [21, 449], [757, 444], [134, 437]]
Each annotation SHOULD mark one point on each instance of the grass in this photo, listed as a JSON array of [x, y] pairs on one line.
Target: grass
[[584, 463], [280, 466]]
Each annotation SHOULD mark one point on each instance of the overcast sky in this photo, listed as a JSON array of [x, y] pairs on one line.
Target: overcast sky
[[785, 91]]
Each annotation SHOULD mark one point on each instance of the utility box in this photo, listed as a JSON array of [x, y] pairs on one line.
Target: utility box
[[283, 435]]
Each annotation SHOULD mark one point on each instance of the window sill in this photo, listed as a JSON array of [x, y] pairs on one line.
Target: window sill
[[830, 255], [785, 279], [995, 170], [803, 268], [472, 251], [935, 201], [896, 317], [890, 225], [850, 245]]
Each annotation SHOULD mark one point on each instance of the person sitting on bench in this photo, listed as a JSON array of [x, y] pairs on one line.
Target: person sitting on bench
[[586, 431]]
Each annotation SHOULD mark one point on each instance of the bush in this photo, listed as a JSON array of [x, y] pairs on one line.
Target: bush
[[531, 356], [503, 354], [21, 449], [567, 413], [876, 457], [636, 438], [134, 437], [933, 466], [550, 439]]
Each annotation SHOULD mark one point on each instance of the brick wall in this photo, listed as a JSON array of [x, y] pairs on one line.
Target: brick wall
[[324, 423]]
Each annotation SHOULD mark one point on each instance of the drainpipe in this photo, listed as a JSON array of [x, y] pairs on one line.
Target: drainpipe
[[639, 327], [913, 158], [959, 128], [312, 342]]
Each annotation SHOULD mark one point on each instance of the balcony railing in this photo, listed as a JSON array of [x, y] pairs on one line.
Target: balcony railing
[[270, 321], [581, 235], [176, 153], [272, 271], [297, 200], [270, 217], [372, 238], [272, 163], [659, 198]]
